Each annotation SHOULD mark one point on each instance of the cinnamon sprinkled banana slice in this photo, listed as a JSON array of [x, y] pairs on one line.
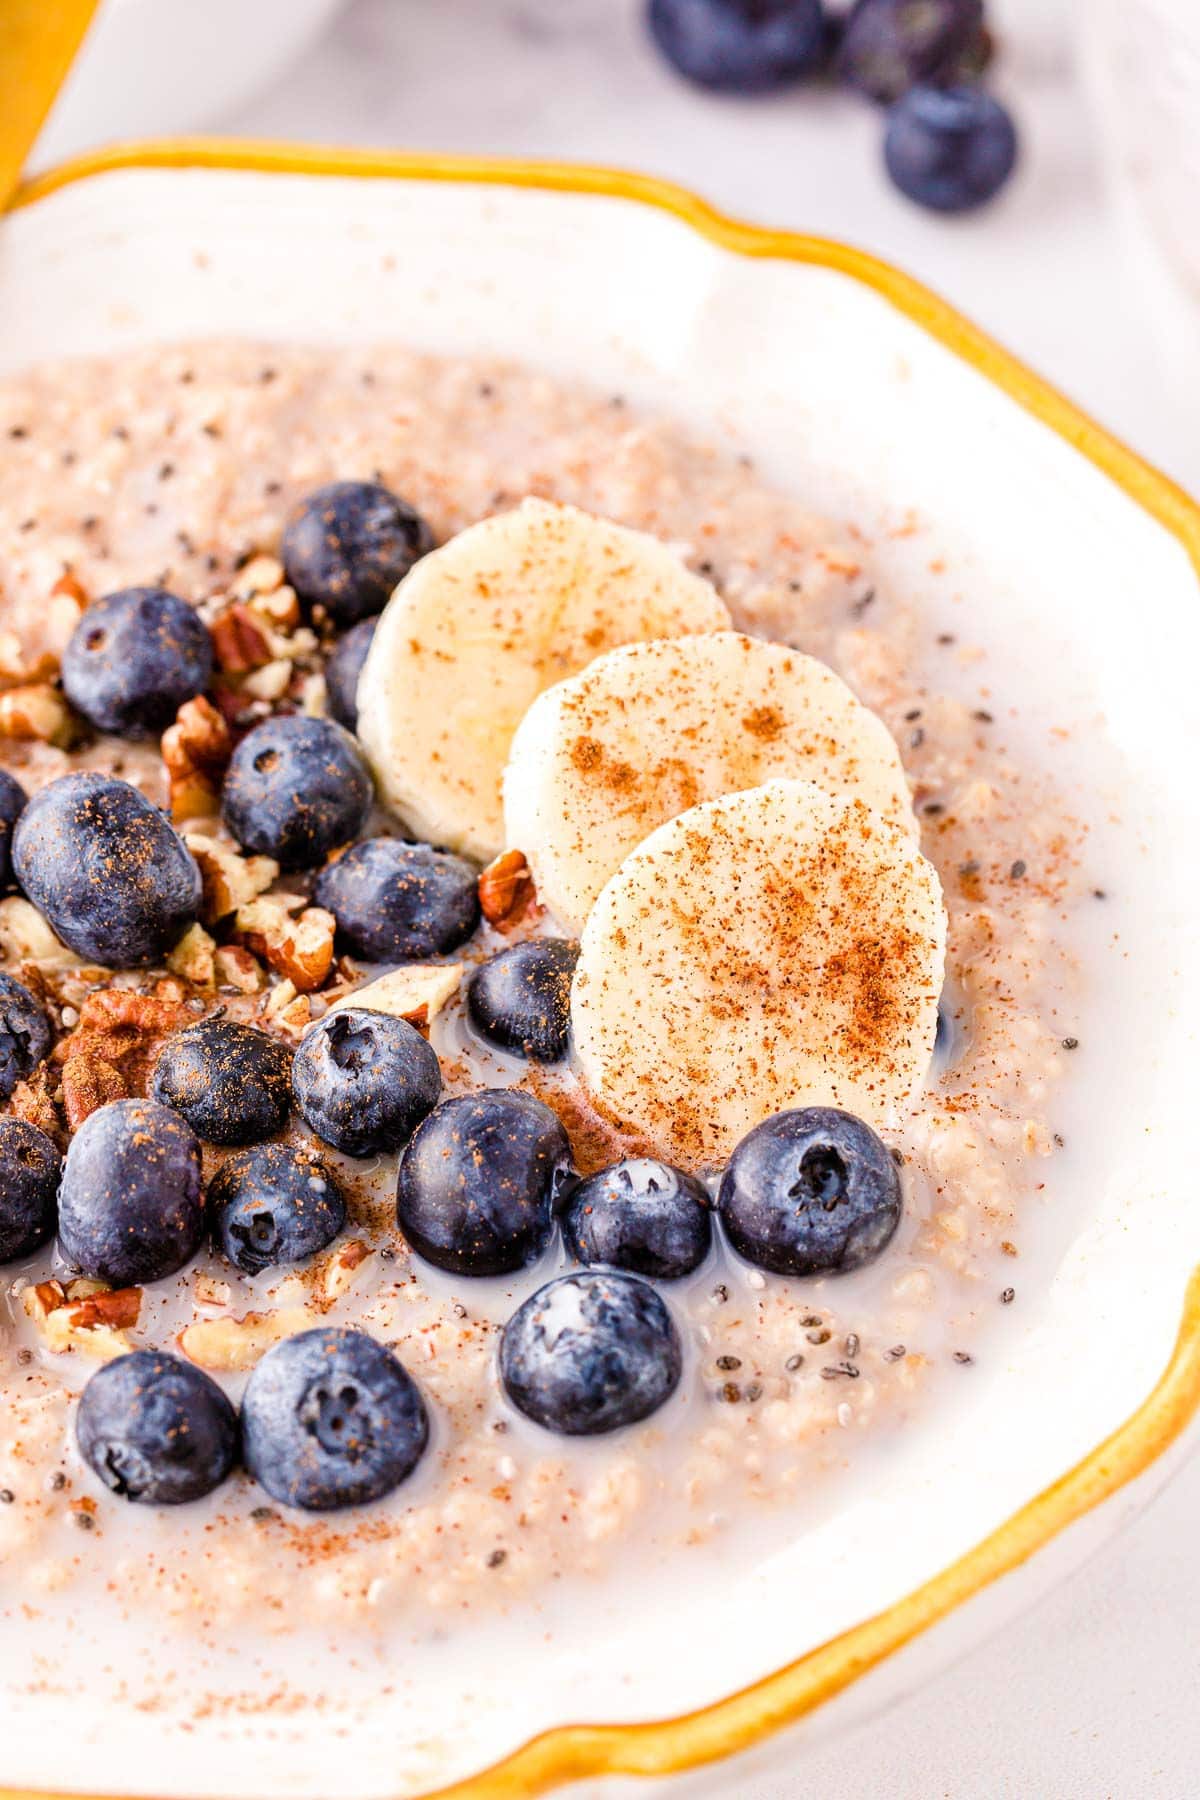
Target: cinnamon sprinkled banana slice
[[776, 947], [644, 732], [478, 628]]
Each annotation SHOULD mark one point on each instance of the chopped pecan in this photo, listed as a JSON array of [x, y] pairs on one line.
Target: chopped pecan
[[288, 1010], [37, 714], [194, 957], [298, 948], [506, 889], [88, 1083], [95, 1323], [195, 751], [35, 1101], [232, 1344], [234, 967], [69, 584], [230, 880], [26, 937], [261, 576], [334, 1276], [271, 681], [417, 992], [240, 641], [125, 1030]]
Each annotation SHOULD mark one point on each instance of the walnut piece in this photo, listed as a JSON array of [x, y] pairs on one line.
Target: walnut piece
[[416, 992], [230, 880], [506, 889], [299, 948], [227, 1345]]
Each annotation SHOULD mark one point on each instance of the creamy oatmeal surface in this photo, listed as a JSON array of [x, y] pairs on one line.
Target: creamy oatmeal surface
[[178, 467]]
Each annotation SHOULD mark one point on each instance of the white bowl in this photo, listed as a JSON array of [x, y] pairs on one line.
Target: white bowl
[[1080, 569]]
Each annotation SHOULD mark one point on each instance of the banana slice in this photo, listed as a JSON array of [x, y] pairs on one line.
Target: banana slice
[[603, 758], [478, 628], [776, 947]]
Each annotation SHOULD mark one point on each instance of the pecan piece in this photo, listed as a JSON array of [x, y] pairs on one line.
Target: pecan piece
[[195, 750], [299, 948], [37, 714], [416, 992], [239, 640], [35, 1101], [506, 889], [230, 880], [88, 1083]]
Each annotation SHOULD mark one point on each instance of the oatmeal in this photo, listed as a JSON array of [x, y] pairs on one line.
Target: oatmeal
[[177, 470]]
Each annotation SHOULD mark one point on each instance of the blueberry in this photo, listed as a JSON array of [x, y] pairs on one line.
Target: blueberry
[[343, 670], [275, 1204], [589, 1353], [134, 658], [106, 869], [478, 1182], [889, 46], [739, 46], [398, 902], [25, 1034], [232, 1084], [949, 149], [13, 799], [810, 1192], [130, 1207], [330, 1419], [156, 1429], [295, 789], [30, 1167], [364, 1080], [347, 545], [521, 999], [639, 1215]]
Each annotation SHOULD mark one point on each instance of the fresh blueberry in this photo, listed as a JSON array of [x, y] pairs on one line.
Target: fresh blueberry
[[811, 1192], [25, 1034], [398, 902], [343, 670], [949, 149], [232, 1084], [739, 46], [330, 1419], [347, 545], [274, 1204], [130, 1207], [521, 999], [589, 1353], [30, 1167], [134, 658], [479, 1180], [13, 799], [156, 1429], [364, 1080], [106, 869], [295, 789], [640, 1215], [889, 46]]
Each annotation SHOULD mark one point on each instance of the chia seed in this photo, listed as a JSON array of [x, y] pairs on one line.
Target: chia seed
[[897, 1353], [729, 1362], [1017, 870], [496, 1558], [793, 1363], [961, 1356], [720, 1294], [1008, 1296], [1070, 1043], [6, 1496]]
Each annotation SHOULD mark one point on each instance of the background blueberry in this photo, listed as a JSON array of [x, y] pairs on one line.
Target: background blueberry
[[107, 870], [810, 1192], [295, 789], [156, 1429], [134, 658], [232, 1084], [130, 1208], [343, 670], [12, 803], [949, 149], [521, 998], [364, 1080], [30, 1167], [25, 1034], [640, 1215], [739, 46], [478, 1181], [396, 902], [330, 1419], [590, 1352], [275, 1204], [347, 545], [888, 46]]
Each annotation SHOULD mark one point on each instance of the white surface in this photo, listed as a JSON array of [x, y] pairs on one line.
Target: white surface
[[1094, 1693]]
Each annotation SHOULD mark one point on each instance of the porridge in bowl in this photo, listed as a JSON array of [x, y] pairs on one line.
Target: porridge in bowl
[[532, 1009]]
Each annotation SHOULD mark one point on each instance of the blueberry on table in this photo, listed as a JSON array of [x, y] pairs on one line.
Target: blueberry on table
[[30, 1167], [950, 149], [347, 545], [330, 1419], [156, 1429], [106, 869], [232, 1083], [364, 1080], [134, 658], [478, 1182], [810, 1192], [739, 46], [889, 46], [640, 1215], [25, 1034], [295, 789], [521, 998], [589, 1353], [130, 1208], [343, 670], [275, 1204], [398, 902], [13, 799]]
